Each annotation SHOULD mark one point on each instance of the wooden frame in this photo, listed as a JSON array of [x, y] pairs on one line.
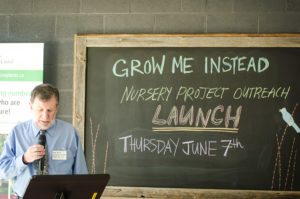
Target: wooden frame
[[82, 42]]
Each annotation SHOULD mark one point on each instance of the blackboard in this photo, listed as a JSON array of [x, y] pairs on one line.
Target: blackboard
[[193, 115]]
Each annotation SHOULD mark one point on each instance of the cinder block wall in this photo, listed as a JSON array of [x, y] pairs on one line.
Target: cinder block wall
[[55, 22]]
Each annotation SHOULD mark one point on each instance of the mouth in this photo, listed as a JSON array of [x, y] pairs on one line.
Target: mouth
[[44, 123]]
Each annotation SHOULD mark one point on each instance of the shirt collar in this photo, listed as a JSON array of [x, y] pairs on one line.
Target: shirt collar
[[50, 131]]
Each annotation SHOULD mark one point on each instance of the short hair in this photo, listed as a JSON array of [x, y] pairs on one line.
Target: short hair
[[44, 92]]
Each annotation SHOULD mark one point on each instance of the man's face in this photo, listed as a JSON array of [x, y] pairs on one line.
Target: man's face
[[44, 112]]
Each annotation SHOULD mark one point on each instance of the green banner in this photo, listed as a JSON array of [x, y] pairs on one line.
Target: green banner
[[21, 75]]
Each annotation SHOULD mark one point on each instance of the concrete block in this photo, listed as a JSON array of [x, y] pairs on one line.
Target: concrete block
[[50, 54], [279, 23], [64, 52], [193, 5], [3, 27], [182, 23], [232, 23], [155, 6], [105, 6], [293, 5], [67, 118], [218, 6], [56, 6], [60, 75], [65, 77], [135, 23], [66, 96], [272, 5], [31, 28], [59, 52], [68, 25], [15, 6], [255, 6]]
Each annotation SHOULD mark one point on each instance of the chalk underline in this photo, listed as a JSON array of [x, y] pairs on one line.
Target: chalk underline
[[200, 129]]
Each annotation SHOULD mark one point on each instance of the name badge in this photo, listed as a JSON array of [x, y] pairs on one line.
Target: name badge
[[59, 155]]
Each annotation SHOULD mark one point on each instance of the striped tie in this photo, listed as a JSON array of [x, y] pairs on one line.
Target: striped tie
[[46, 160]]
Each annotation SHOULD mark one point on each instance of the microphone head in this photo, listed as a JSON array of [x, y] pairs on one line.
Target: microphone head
[[42, 140]]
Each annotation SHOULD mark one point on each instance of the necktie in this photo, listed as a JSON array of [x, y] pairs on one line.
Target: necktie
[[46, 160], [42, 141]]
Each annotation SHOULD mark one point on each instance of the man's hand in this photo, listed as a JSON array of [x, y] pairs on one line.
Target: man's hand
[[33, 153]]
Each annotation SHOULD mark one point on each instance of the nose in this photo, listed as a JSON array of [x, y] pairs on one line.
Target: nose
[[45, 115]]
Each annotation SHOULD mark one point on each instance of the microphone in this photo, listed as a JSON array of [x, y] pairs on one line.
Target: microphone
[[42, 141]]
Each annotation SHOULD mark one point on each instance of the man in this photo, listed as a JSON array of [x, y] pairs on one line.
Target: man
[[21, 152]]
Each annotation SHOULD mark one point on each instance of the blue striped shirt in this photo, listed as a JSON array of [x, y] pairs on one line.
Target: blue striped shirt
[[62, 136]]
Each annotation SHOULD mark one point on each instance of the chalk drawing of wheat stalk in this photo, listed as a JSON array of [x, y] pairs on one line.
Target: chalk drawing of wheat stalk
[[278, 163], [93, 145]]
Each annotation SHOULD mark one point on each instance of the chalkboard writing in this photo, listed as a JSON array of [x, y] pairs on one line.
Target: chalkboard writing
[[189, 111], [193, 117]]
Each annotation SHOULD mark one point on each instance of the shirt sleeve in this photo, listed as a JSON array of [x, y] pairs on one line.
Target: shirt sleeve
[[80, 163], [11, 165]]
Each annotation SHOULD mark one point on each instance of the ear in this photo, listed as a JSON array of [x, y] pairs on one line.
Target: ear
[[57, 107], [30, 105]]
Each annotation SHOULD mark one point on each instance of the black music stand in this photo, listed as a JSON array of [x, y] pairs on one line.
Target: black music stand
[[89, 186]]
